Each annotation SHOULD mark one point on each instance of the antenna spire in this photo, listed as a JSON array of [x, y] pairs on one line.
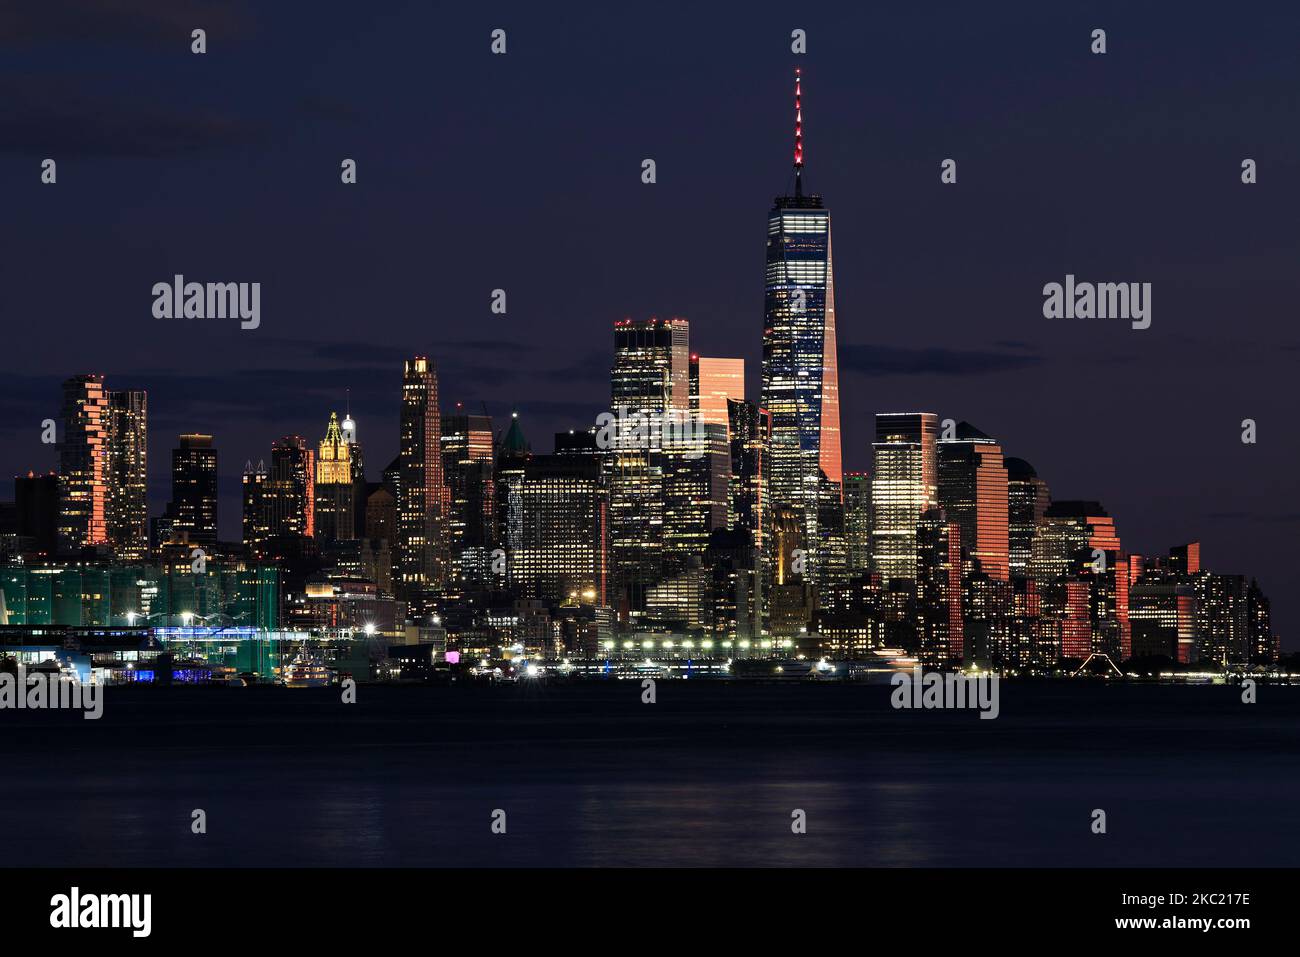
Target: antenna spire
[[798, 133]]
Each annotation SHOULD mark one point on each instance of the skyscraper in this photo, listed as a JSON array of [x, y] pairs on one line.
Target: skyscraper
[[83, 464], [1076, 545], [1068, 539], [467, 459], [939, 589], [1162, 616], [127, 508], [193, 508], [257, 531], [972, 484], [857, 521], [380, 533], [1223, 619], [715, 383], [1185, 559], [800, 370], [557, 548], [651, 371], [290, 494], [1264, 644], [696, 479], [731, 562], [750, 428], [650, 377], [1027, 501], [336, 486], [903, 486], [422, 501]]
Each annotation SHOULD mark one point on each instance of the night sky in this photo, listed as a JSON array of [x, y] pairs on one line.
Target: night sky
[[522, 172]]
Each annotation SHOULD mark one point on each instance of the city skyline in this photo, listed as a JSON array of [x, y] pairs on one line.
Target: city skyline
[[886, 364], [791, 437], [942, 497]]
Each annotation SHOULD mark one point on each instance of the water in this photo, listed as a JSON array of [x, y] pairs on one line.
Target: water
[[709, 775]]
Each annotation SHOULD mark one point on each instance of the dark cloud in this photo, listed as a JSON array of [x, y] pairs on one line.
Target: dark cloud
[[592, 367], [371, 353], [891, 360], [579, 413]]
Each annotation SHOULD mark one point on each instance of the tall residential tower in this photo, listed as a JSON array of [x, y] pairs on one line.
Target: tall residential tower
[[83, 464], [127, 509]]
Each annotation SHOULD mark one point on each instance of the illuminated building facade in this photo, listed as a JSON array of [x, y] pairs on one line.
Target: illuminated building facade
[[256, 528], [141, 593], [1162, 617], [83, 464], [289, 496], [939, 590], [681, 602], [1076, 544], [749, 431], [193, 508], [986, 612], [1066, 538], [467, 464], [556, 540], [857, 521], [800, 371], [736, 584], [422, 499], [127, 516], [1108, 609], [696, 487], [1073, 621], [636, 524], [1185, 559], [650, 375], [1265, 646], [903, 487], [1027, 501], [972, 490], [715, 383], [336, 487], [651, 370], [1223, 619]]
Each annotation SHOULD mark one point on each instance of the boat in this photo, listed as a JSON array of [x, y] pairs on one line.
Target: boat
[[307, 671]]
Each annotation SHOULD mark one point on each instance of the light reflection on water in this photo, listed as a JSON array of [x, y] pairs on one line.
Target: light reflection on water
[[713, 785]]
